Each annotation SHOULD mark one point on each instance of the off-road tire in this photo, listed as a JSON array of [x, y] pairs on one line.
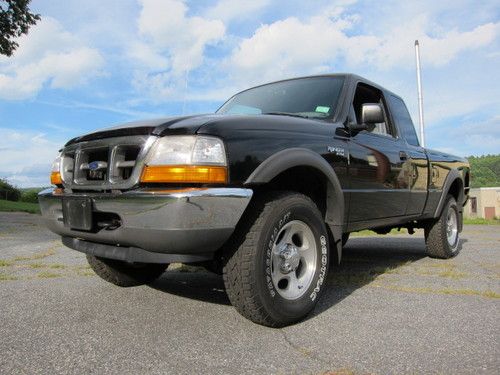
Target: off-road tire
[[247, 261], [436, 239], [124, 274]]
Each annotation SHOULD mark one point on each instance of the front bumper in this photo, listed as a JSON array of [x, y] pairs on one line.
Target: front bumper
[[187, 224]]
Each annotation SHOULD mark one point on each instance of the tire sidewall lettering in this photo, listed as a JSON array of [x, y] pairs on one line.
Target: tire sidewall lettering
[[323, 268]]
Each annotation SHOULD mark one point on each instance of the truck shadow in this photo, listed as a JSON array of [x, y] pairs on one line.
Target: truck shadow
[[190, 282], [364, 260]]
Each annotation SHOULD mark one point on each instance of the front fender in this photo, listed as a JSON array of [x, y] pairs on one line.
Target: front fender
[[302, 157]]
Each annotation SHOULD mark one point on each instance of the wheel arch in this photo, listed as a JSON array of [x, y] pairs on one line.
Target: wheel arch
[[453, 185], [296, 159]]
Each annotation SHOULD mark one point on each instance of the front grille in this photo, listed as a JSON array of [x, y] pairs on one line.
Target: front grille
[[92, 164], [124, 162], [113, 163]]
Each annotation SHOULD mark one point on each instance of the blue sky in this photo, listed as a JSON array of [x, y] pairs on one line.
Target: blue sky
[[91, 64]]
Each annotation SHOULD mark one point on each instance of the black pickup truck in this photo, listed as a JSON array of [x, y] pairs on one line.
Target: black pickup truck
[[264, 191]]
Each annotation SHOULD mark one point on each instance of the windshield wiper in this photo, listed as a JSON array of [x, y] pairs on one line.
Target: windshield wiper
[[285, 114]]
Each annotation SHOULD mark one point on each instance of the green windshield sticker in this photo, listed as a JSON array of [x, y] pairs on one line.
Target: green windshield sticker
[[322, 109]]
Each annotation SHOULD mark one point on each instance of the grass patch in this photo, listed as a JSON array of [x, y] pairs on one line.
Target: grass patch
[[85, 273], [340, 372], [5, 263], [6, 277], [9, 206], [48, 275], [452, 274], [84, 267], [35, 265], [449, 291], [42, 265], [56, 266], [441, 269], [480, 221], [491, 294], [41, 255], [442, 264]]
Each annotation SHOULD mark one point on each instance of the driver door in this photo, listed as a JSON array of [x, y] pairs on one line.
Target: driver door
[[378, 184]]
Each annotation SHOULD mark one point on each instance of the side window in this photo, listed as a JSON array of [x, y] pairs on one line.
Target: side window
[[367, 94], [403, 120]]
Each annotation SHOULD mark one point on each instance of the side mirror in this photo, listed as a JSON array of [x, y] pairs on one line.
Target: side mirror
[[371, 113]]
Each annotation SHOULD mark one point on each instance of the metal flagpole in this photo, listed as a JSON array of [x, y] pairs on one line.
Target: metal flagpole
[[420, 96]]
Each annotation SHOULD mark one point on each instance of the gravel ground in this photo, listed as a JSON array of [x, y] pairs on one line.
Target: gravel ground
[[388, 309]]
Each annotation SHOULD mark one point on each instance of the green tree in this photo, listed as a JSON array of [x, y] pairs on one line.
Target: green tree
[[485, 170], [30, 196], [15, 20], [9, 192]]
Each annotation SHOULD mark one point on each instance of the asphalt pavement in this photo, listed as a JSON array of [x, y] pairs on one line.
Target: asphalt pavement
[[388, 309]]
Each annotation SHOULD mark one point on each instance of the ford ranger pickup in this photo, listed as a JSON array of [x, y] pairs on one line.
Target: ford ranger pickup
[[265, 191]]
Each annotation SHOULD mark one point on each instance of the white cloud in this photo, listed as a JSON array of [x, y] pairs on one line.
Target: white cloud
[[396, 48], [171, 44], [26, 157], [290, 46], [321, 43], [228, 10], [181, 37], [48, 55], [147, 56]]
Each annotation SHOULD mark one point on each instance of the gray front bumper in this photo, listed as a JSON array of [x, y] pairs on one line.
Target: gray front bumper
[[188, 221]]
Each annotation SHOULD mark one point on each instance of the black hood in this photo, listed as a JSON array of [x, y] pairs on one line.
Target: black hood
[[168, 125], [213, 124]]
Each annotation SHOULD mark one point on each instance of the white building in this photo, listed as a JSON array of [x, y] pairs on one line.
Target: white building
[[483, 203]]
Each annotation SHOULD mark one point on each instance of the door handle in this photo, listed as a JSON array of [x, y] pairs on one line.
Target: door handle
[[403, 155]]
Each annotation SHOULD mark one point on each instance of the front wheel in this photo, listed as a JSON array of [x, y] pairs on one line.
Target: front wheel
[[442, 235], [277, 261], [125, 274]]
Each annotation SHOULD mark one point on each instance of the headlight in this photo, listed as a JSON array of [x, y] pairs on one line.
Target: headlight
[[55, 175], [186, 159]]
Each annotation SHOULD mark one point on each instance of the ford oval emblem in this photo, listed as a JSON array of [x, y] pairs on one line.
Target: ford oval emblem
[[93, 166]]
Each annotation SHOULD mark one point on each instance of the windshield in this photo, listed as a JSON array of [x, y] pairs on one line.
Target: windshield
[[314, 97]]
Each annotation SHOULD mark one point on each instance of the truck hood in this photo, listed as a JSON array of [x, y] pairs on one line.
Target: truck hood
[[186, 125], [180, 125]]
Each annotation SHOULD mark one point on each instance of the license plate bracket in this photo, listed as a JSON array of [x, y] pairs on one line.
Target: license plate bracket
[[77, 213]]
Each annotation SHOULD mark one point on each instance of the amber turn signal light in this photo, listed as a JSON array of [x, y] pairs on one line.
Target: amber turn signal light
[[55, 178], [201, 174]]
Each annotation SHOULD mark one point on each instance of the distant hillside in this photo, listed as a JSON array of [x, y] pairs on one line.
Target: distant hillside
[[485, 170], [33, 189], [12, 193]]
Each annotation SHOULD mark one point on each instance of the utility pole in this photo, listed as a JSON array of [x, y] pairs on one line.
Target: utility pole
[[420, 96]]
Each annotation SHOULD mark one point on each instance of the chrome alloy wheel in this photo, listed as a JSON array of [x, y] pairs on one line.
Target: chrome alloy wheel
[[451, 227], [294, 260]]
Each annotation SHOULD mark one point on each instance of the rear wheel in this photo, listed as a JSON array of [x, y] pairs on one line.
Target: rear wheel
[[125, 274], [442, 235], [277, 261]]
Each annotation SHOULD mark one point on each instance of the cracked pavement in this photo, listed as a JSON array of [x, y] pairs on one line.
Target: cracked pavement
[[388, 309]]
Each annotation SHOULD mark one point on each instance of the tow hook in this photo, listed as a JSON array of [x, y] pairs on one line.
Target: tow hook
[[109, 225]]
